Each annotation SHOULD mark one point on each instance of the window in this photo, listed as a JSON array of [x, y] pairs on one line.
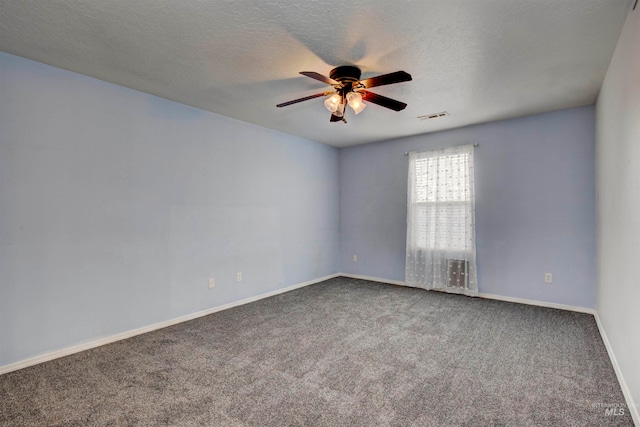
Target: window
[[442, 202], [440, 221]]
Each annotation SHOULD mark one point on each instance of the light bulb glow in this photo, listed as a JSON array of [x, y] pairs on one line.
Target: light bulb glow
[[332, 102], [355, 101]]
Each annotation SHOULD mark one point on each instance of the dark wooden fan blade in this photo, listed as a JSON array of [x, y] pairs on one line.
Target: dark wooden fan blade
[[386, 79], [383, 100], [306, 98], [320, 77]]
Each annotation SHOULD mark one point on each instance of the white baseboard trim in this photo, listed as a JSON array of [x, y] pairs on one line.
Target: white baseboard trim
[[143, 330], [483, 295], [633, 409], [374, 279], [538, 303]]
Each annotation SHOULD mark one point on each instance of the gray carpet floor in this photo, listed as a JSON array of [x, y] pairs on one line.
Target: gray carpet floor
[[343, 352]]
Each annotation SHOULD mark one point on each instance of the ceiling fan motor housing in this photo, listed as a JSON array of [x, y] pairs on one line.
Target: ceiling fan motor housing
[[345, 74]]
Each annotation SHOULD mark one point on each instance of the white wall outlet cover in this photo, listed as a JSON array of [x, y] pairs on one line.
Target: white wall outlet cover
[[212, 282], [548, 277], [355, 258], [239, 277]]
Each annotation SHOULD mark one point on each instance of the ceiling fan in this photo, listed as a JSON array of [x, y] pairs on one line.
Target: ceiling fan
[[348, 89]]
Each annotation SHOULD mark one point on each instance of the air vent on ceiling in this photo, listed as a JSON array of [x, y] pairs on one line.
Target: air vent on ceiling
[[433, 116]]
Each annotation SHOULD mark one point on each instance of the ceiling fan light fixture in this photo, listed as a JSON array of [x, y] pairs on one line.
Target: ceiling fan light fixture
[[348, 89], [355, 101], [332, 102]]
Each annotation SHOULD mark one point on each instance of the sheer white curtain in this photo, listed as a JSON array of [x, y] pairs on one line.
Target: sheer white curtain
[[441, 238]]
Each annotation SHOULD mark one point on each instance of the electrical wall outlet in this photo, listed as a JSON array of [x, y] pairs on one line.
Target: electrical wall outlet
[[548, 278], [212, 282], [239, 277], [355, 258]]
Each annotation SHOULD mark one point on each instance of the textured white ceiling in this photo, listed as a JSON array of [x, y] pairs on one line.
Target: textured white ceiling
[[480, 60]]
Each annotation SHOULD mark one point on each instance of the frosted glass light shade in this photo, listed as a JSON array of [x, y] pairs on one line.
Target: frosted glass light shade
[[330, 105], [332, 102], [355, 101], [339, 112]]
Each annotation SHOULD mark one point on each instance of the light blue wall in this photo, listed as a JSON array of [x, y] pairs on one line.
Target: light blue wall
[[535, 205], [116, 207]]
